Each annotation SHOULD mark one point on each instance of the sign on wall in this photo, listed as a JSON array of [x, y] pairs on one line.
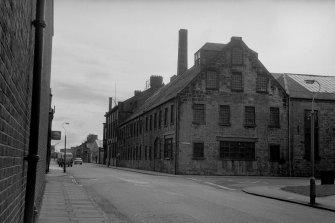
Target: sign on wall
[[56, 135]]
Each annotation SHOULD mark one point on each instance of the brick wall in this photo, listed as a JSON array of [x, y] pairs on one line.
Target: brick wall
[[153, 138], [326, 121], [211, 133], [16, 63], [16, 66]]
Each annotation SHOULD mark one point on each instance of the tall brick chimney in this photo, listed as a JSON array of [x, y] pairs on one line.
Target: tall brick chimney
[[182, 51]]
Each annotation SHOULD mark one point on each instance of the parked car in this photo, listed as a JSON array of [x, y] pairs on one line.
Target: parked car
[[78, 161]]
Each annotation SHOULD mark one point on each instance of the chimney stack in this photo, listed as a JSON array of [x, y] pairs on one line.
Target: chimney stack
[[182, 51], [110, 103]]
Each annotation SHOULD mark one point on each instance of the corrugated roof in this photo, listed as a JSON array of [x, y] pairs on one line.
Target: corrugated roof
[[296, 86], [167, 92]]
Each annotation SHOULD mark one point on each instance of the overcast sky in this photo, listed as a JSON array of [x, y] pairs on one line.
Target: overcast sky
[[100, 44]]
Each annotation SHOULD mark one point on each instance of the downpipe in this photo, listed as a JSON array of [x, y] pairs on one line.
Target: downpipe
[[33, 157]]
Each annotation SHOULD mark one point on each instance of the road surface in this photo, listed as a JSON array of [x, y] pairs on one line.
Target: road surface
[[136, 197]]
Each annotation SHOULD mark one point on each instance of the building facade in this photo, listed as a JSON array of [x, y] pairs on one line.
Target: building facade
[[227, 115], [17, 41]]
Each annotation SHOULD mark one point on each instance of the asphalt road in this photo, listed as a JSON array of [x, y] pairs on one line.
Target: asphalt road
[[135, 197]]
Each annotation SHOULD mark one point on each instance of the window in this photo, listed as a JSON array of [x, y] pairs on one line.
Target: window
[[236, 81], [150, 122], [155, 121], [224, 115], [160, 119], [172, 114], [145, 152], [166, 116], [249, 116], [198, 150], [211, 80], [307, 126], [197, 58], [199, 114], [237, 56], [262, 83], [237, 150], [274, 117], [146, 123], [168, 148], [150, 153], [274, 153]]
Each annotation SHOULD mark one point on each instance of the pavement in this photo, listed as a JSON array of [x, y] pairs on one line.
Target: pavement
[[65, 200]]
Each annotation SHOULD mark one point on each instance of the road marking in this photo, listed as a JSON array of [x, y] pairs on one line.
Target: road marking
[[193, 179], [133, 181], [222, 187]]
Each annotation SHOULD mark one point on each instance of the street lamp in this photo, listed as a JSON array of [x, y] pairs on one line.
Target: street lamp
[[65, 123], [312, 193]]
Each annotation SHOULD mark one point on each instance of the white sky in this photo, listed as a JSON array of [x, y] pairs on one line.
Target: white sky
[[102, 43]]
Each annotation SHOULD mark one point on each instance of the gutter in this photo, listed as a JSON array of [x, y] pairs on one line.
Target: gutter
[[288, 126], [33, 157]]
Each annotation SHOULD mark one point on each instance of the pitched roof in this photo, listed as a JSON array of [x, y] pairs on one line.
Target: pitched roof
[[213, 46], [296, 86], [167, 92]]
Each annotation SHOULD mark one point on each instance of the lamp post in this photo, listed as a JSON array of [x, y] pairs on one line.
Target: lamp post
[[312, 193], [64, 163]]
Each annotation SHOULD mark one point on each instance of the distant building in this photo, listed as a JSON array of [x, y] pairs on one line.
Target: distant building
[[226, 115], [91, 151]]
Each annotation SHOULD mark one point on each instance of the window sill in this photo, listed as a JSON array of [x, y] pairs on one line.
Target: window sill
[[274, 127], [235, 90], [249, 125], [225, 125], [262, 92]]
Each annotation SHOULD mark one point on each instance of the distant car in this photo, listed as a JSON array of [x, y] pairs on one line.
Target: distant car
[[78, 161]]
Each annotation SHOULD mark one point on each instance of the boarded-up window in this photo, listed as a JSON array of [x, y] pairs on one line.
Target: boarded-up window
[[199, 113], [198, 150], [236, 81], [224, 115], [274, 117], [274, 153]]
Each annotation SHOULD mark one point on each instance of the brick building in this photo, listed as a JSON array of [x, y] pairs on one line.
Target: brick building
[[226, 115], [17, 42], [121, 112]]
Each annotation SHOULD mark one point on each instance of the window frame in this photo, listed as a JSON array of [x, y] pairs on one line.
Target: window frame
[[233, 82], [222, 117], [196, 120], [247, 123], [259, 81], [235, 148], [233, 56], [209, 81]]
